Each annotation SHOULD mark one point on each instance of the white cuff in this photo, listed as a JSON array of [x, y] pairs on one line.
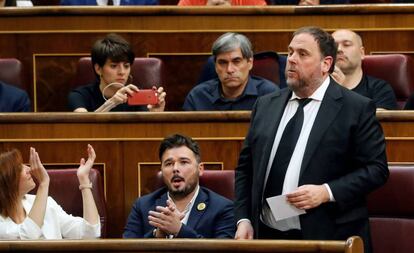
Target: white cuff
[[245, 219], [331, 196]]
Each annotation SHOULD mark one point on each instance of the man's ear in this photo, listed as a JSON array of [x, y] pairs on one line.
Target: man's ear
[[250, 62], [362, 51], [200, 169], [327, 63]]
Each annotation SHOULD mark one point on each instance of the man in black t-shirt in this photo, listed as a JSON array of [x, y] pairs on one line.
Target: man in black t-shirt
[[348, 71]]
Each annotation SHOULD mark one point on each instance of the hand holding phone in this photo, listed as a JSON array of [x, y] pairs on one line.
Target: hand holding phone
[[143, 97]]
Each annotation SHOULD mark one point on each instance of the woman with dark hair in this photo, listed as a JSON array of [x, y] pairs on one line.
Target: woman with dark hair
[[112, 58], [26, 216]]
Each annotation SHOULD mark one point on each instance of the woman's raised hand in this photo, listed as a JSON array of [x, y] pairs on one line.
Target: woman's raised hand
[[36, 168], [85, 166]]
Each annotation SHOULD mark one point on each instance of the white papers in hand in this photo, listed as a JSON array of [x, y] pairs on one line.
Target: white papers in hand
[[282, 209]]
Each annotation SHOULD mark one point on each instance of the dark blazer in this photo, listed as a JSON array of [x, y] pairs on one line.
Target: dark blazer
[[216, 220], [13, 99], [346, 149]]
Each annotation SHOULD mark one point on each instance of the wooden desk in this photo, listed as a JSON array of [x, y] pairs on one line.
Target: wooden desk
[[352, 245], [127, 144], [49, 40]]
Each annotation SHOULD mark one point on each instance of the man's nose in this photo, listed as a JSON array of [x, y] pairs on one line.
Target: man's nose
[[230, 68], [340, 48], [176, 168], [292, 57]]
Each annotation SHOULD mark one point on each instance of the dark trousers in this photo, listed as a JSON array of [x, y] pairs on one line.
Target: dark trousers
[[266, 232]]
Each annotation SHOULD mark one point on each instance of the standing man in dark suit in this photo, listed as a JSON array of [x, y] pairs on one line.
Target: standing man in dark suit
[[183, 209], [335, 159]]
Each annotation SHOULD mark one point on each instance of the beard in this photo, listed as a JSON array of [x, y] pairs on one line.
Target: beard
[[296, 85], [181, 193], [188, 188], [304, 86]]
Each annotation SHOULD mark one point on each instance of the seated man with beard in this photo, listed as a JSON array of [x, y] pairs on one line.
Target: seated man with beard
[[182, 209]]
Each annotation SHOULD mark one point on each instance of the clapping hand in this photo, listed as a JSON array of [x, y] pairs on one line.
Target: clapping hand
[[166, 219], [85, 166], [36, 168]]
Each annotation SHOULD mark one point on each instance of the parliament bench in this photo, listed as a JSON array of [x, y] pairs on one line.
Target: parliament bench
[[351, 245]]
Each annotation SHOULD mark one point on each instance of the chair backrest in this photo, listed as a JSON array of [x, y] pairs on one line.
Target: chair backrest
[[391, 211], [267, 64], [146, 72], [396, 69], [271, 66], [64, 188], [11, 72], [219, 181]]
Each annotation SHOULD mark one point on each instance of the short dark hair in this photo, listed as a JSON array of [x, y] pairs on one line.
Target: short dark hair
[[327, 44], [231, 41], [176, 141], [112, 47]]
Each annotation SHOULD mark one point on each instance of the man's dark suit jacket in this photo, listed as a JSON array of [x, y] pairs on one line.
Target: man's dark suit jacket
[[346, 149], [216, 220]]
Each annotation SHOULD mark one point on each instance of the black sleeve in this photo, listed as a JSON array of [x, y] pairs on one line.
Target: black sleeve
[[77, 100], [384, 96]]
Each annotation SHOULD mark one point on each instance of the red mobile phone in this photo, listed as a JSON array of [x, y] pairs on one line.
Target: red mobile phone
[[143, 97]]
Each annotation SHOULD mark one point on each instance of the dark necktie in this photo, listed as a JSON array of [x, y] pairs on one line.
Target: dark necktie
[[284, 152], [110, 2]]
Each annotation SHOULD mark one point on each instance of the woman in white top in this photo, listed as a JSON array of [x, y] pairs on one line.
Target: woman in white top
[[25, 216]]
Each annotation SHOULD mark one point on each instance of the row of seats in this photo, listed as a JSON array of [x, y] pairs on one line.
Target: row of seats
[[391, 208], [396, 69]]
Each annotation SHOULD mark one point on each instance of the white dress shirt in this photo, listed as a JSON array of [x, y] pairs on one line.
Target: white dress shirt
[[105, 2], [189, 206], [292, 173], [57, 224]]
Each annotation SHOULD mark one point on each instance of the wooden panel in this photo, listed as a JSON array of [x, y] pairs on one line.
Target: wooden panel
[[171, 31], [53, 80]]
